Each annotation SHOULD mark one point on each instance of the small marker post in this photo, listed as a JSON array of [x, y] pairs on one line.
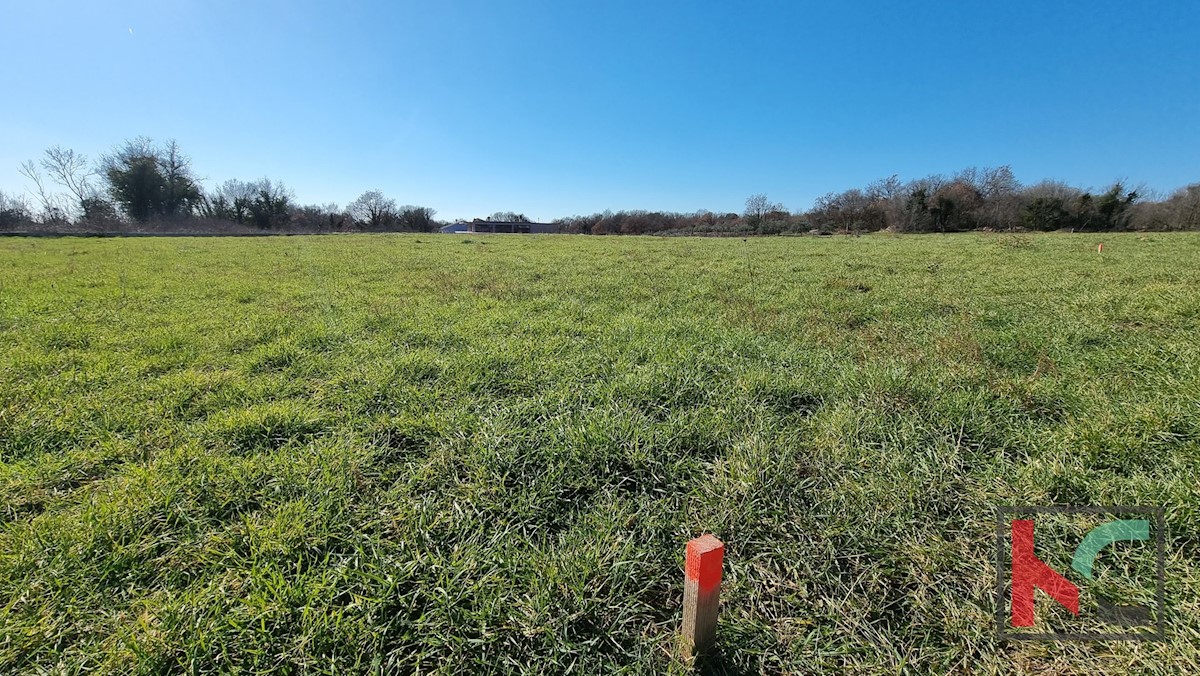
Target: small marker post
[[1100, 247], [701, 594]]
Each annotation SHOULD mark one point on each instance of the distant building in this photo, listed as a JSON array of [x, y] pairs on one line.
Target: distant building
[[488, 227], [454, 227]]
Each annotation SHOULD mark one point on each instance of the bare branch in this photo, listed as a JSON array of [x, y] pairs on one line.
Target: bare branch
[[52, 211], [70, 170]]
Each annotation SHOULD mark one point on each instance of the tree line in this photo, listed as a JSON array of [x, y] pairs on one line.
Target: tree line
[[145, 186], [972, 199]]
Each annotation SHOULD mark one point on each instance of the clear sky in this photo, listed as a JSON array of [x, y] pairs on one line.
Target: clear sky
[[561, 107]]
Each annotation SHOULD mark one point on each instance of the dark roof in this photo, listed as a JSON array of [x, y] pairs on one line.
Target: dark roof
[[481, 220]]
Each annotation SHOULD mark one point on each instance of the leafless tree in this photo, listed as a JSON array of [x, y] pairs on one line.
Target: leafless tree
[[1000, 190], [955, 204], [886, 197], [508, 217], [271, 203], [229, 201], [417, 219], [319, 217], [70, 170], [373, 209], [1185, 204], [13, 211], [181, 189], [53, 208], [852, 211], [758, 206], [998, 182]]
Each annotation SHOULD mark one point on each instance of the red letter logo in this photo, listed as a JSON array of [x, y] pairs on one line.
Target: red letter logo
[[1028, 571]]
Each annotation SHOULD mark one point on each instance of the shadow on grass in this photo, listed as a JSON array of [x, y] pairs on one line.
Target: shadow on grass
[[719, 661]]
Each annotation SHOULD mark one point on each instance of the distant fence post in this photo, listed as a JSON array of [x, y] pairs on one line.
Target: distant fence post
[[701, 594]]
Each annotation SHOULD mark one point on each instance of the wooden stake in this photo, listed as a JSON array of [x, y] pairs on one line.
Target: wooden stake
[[701, 594]]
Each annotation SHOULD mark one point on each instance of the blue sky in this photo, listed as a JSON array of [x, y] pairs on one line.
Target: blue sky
[[563, 107]]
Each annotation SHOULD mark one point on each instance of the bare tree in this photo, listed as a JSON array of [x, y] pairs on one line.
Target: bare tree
[[53, 210], [887, 201], [181, 191], [263, 203], [417, 219], [270, 204], [1002, 201], [14, 210], [954, 205], [508, 217], [998, 182], [851, 211], [319, 217], [70, 170], [1185, 204], [758, 206], [373, 209], [229, 201]]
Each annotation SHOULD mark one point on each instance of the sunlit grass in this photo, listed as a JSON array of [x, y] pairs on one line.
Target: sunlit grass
[[433, 453]]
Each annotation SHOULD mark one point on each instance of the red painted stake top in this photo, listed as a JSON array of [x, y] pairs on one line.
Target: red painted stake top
[[705, 555]]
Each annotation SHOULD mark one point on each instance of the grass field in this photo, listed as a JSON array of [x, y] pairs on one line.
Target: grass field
[[440, 454]]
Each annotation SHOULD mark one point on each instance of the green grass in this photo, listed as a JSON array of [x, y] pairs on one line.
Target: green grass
[[439, 454]]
